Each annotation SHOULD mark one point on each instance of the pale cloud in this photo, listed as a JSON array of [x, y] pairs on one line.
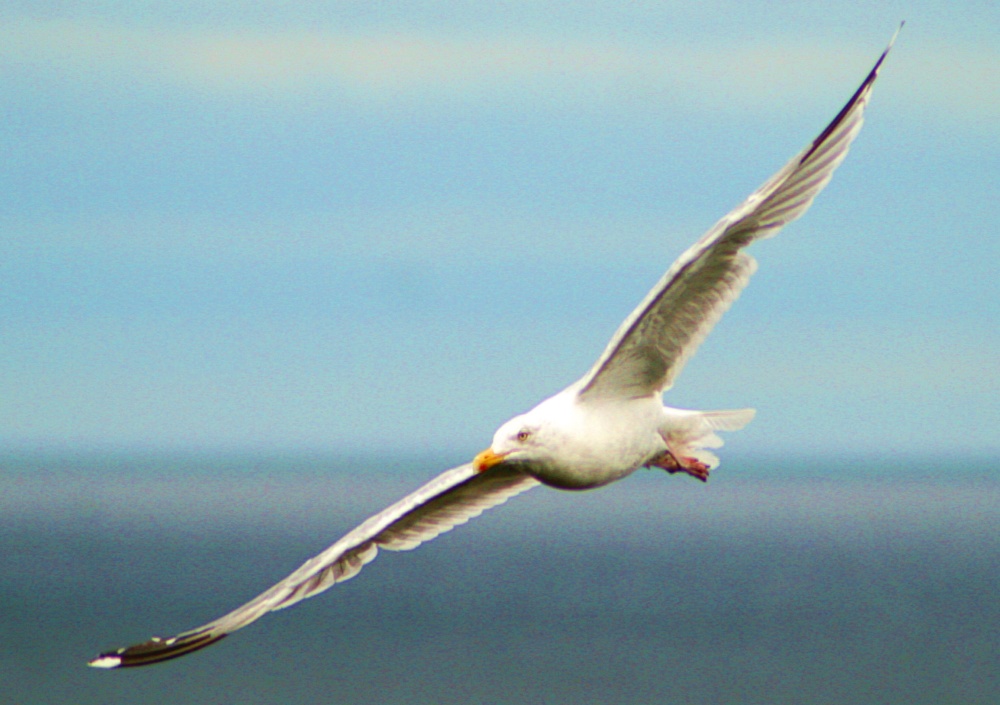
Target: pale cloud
[[956, 81]]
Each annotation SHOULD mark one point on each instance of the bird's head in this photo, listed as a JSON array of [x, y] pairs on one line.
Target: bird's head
[[517, 441]]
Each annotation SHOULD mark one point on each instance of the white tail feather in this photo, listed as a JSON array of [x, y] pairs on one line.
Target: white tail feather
[[690, 433]]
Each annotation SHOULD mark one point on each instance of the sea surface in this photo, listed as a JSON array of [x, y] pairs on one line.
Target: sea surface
[[791, 582]]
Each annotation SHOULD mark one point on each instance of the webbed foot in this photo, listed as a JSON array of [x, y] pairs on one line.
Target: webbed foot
[[686, 464]]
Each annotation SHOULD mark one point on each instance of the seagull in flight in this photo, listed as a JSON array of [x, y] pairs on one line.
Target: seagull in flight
[[601, 428]]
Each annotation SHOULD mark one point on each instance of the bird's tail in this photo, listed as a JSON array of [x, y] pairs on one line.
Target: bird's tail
[[689, 434]]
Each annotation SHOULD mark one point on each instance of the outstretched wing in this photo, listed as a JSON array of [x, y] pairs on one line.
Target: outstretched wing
[[450, 499], [650, 348]]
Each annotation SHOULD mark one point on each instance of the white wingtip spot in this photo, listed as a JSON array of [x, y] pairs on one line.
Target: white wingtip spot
[[106, 662]]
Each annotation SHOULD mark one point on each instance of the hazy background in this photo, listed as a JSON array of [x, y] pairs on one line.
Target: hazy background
[[266, 266], [346, 226]]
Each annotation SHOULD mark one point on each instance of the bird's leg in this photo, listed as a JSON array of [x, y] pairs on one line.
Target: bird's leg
[[671, 463]]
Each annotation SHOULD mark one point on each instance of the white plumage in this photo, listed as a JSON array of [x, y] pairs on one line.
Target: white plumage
[[599, 429]]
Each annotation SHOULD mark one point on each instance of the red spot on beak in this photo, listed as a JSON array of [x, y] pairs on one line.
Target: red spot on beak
[[487, 459]]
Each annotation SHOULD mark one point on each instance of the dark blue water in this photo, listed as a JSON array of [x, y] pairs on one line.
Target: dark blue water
[[757, 588]]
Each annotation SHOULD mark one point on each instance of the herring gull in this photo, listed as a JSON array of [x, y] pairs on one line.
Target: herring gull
[[602, 427]]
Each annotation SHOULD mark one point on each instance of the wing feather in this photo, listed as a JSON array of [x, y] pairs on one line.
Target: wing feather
[[450, 499], [651, 347]]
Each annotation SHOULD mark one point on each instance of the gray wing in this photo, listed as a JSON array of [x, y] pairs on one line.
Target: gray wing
[[450, 499], [650, 348]]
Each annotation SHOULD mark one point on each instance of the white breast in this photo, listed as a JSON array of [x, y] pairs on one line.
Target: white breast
[[594, 442]]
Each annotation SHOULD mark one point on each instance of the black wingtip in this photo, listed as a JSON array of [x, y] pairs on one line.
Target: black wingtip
[[858, 95], [154, 651]]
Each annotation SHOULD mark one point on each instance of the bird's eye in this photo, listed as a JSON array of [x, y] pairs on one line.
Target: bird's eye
[[523, 435]]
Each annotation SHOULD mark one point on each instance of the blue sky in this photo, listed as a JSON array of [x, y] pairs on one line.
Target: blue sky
[[341, 227]]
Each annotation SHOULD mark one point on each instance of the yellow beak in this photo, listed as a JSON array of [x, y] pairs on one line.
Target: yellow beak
[[487, 459]]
